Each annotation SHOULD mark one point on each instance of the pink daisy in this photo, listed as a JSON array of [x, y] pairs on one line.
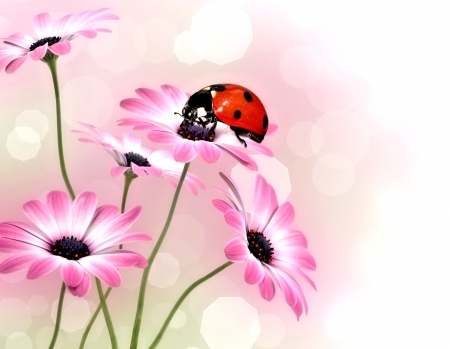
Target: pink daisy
[[267, 245], [78, 237], [158, 113], [51, 37], [138, 160]]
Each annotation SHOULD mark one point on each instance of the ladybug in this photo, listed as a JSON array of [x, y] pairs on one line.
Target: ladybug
[[230, 104]]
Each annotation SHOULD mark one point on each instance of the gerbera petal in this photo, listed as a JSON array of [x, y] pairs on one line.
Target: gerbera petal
[[39, 52], [265, 204], [83, 210], [254, 271], [184, 150], [123, 259], [71, 272], [100, 268], [102, 217], [271, 130], [18, 262], [286, 287], [87, 33], [221, 205], [13, 246], [267, 287], [83, 288], [295, 255], [117, 171], [122, 239], [234, 190], [61, 48], [138, 170], [20, 39], [207, 151], [23, 232], [42, 25], [294, 268], [60, 207], [243, 158], [178, 96], [281, 219], [162, 137], [235, 220], [15, 64], [260, 148], [291, 237], [39, 213], [43, 266], [155, 97], [236, 250]]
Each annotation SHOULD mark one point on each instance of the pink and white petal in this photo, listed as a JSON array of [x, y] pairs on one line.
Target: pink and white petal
[[179, 98], [18, 262], [139, 107], [294, 268], [60, 206], [122, 239], [58, 27], [288, 291], [267, 287], [83, 209], [39, 213], [100, 268], [13, 246], [221, 205], [258, 147], [154, 97], [208, 151], [20, 39], [123, 259], [298, 309], [271, 130], [281, 219], [15, 64], [254, 271], [163, 137], [184, 150], [289, 237], [61, 48], [23, 232], [102, 217], [235, 220], [71, 272], [243, 158], [234, 190], [295, 255], [236, 250], [42, 25], [265, 204], [138, 170], [103, 30], [153, 170], [83, 288], [117, 171], [43, 266], [87, 33]]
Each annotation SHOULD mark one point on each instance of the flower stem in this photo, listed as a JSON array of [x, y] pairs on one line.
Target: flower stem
[[141, 299], [52, 65], [108, 321], [58, 316], [128, 180], [181, 299]]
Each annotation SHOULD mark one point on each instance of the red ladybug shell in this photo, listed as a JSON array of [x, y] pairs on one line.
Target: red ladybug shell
[[239, 107]]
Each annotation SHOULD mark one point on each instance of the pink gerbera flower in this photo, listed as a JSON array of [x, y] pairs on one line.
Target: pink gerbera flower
[[137, 160], [158, 113], [78, 237], [51, 37], [267, 245]]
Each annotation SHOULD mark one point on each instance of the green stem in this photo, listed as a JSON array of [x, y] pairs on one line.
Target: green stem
[[108, 321], [58, 316], [141, 299], [128, 180], [181, 299], [51, 62]]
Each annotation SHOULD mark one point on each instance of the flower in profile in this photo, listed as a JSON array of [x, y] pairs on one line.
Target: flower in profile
[[54, 38], [137, 160], [158, 113], [78, 237], [267, 245]]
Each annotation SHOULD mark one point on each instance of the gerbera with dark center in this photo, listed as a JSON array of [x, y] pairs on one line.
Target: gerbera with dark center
[[78, 237], [158, 113], [138, 160], [267, 245], [54, 38]]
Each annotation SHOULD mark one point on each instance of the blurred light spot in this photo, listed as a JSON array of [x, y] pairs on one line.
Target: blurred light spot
[[35, 120], [87, 99], [272, 331], [159, 313], [305, 139], [15, 316], [230, 322], [344, 132], [178, 320], [38, 305], [18, 340], [44, 337], [75, 313], [160, 37], [226, 29], [5, 28], [165, 270], [23, 143], [271, 169], [333, 174], [337, 88], [188, 235], [96, 328], [301, 66], [122, 49], [190, 47]]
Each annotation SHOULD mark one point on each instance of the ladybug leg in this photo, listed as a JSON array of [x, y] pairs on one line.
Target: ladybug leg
[[213, 126], [240, 139]]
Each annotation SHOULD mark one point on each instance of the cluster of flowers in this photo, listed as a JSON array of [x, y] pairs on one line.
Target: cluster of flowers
[[81, 239]]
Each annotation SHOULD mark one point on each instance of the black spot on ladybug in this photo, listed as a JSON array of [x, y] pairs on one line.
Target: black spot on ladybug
[[237, 114], [218, 88], [265, 122], [248, 96]]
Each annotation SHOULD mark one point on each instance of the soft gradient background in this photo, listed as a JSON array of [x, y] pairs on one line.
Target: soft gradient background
[[359, 90]]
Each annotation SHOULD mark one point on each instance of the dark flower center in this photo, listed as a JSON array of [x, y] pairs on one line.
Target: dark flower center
[[196, 133], [137, 159], [51, 40], [259, 246], [70, 248]]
